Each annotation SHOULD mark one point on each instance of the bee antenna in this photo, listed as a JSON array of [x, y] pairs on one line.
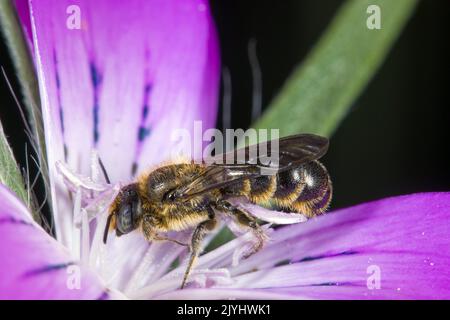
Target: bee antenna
[[108, 223], [105, 174]]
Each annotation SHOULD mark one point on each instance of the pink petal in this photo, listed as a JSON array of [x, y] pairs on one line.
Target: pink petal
[[34, 265], [133, 73], [406, 239]]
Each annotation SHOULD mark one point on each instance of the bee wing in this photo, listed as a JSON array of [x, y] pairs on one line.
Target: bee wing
[[267, 158]]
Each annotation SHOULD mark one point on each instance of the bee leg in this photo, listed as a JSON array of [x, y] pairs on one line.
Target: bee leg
[[244, 219], [197, 237], [159, 237], [151, 235]]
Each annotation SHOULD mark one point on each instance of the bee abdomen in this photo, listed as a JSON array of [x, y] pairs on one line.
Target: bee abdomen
[[262, 188], [305, 189], [289, 186], [240, 188], [257, 190], [316, 195]]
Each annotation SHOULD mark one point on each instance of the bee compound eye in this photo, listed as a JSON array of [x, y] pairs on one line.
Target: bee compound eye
[[125, 219]]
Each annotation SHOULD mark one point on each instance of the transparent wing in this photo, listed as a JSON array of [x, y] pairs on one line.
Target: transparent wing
[[267, 158]]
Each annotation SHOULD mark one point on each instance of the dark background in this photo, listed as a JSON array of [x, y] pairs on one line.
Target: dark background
[[396, 138]]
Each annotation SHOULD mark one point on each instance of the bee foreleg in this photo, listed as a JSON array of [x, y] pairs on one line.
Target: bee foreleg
[[197, 237], [243, 218], [151, 234]]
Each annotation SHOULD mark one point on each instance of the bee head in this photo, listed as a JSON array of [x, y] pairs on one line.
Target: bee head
[[125, 212]]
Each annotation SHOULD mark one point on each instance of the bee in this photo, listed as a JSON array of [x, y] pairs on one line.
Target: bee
[[190, 195]]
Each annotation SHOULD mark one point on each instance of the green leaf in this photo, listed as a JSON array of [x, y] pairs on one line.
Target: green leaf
[[23, 64], [21, 58], [9, 171], [222, 237], [319, 93]]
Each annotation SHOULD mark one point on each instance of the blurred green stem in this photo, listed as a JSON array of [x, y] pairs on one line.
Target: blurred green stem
[[23, 64], [319, 93], [10, 175]]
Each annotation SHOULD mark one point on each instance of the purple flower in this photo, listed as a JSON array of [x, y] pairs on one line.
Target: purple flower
[[116, 83]]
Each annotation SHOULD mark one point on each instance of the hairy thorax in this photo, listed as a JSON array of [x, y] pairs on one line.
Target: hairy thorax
[[165, 213]]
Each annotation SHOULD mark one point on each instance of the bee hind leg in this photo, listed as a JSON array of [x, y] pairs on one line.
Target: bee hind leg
[[200, 231], [159, 237], [244, 219]]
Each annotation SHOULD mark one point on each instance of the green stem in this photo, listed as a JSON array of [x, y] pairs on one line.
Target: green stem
[[319, 93], [23, 64], [10, 175]]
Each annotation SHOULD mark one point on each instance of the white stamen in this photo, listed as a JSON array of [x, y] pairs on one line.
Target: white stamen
[[98, 204], [76, 232], [210, 278], [240, 252], [94, 166], [98, 249], [272, 216], [149, 266], [76, 181], [85, 246]]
